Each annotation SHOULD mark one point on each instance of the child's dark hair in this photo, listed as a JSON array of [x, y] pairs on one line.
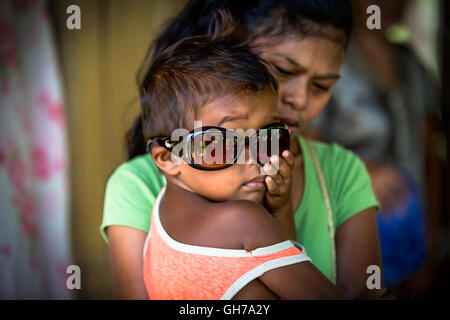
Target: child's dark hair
[[256, 18], [194, 72]]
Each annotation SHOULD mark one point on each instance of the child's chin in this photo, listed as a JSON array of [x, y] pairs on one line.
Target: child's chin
[[257, 197]]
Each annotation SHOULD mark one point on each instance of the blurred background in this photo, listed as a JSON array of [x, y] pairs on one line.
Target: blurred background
[[67, 98]]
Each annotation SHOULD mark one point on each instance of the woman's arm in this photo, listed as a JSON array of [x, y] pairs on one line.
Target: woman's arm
[[357, 247], [256, 228], [126, 251], [129, 197]]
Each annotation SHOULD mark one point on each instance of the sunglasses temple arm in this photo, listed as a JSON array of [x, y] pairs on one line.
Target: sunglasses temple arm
[[150, 143]]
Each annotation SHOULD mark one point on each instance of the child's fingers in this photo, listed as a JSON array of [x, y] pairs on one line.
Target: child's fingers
[[272, 187], [271, 168], [289, 157], [284, 170], [271, 171]]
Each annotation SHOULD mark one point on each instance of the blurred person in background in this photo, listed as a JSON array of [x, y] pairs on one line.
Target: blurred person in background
[[385, 108]]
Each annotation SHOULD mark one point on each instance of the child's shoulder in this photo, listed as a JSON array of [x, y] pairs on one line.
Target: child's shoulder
[[248, 221], [234, 224]]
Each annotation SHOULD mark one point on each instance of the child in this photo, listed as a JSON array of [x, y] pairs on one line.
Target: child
[[210, 235]]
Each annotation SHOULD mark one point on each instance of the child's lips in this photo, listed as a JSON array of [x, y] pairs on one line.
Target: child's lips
[[256, 183]]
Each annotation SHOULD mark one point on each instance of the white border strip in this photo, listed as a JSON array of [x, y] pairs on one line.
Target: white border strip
[[260, 270], [209, 251], [147, 239]]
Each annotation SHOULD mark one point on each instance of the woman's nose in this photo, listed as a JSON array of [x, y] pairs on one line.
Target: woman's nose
[[295, 95]]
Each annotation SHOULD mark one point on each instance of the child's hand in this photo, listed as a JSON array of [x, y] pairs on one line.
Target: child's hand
[[278, 196], [278, 181]]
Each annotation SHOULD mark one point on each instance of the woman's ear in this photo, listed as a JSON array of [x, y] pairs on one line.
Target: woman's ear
[[163, 160]]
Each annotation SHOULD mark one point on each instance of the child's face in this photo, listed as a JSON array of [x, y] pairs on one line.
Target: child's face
[[234, 182]]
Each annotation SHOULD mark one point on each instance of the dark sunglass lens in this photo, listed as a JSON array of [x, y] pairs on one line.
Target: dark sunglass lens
[[213, 149], [285, 140], [272, 141]]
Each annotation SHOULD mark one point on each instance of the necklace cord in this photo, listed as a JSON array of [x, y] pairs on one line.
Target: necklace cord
[[327, 205]]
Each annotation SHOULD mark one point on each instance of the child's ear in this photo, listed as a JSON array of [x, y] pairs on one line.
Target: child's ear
[[163, 160]]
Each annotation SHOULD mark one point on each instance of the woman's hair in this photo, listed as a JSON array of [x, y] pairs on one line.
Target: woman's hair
[[194, 72], [256, 19]]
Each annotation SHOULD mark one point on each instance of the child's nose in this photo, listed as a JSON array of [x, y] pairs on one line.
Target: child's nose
[[250, 156]]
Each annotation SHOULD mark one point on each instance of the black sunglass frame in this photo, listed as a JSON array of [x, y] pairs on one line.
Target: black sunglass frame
[[165, 142]]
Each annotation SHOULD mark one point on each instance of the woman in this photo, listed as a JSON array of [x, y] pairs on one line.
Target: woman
[[335, 208]]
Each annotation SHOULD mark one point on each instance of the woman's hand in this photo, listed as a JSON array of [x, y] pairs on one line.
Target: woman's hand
[[278, 196]]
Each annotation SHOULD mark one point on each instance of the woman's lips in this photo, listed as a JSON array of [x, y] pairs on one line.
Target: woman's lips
[[292, 124], [256, 183]]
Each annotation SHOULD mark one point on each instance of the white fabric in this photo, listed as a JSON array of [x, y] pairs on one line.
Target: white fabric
[[34, 236]]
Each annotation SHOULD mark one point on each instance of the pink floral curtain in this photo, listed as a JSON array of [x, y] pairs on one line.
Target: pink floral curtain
[[34, 232]]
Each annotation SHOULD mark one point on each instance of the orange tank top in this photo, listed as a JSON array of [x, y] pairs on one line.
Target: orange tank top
[[178, 271]]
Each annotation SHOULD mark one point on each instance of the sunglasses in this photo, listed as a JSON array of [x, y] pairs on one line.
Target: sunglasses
[[213, 148]]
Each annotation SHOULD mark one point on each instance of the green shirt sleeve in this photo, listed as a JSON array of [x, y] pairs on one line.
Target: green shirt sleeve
[[130, 193], [351, 188]]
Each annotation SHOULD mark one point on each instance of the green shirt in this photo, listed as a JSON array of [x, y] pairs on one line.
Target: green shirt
[[132, 189]]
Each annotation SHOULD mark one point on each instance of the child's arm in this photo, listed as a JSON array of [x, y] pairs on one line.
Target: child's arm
[[256, 228]]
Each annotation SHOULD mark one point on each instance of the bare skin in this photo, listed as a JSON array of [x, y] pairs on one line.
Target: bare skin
[[126, 247]]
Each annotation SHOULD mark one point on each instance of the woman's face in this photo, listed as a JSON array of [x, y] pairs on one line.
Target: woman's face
[[306, 70]]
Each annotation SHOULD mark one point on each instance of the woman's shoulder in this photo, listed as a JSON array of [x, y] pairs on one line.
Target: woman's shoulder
[[130, 193], [334, 155], [140, 171], [340, 166], [346, 178], [133, 186]]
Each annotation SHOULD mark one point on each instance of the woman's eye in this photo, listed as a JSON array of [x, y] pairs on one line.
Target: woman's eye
[[282, 71], [320, 87]]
